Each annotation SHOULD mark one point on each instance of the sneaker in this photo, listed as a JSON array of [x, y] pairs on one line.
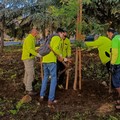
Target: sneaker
[[118, 102], [60, 87], [31, 93], [117, 107], [55, 101]]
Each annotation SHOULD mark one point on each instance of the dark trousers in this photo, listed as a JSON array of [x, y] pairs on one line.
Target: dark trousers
[[116, 77], [60, 68], [108, 66]]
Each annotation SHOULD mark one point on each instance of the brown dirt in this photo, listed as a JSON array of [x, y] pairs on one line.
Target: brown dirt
[[93, 102]]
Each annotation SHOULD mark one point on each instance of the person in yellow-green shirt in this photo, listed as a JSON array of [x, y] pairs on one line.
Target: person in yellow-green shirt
[[28, 55], [115, 61], [65, 48], [104, 45], [50, 68]]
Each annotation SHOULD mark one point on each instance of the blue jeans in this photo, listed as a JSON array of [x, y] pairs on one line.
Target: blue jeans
[[116, 77], [50, 69]]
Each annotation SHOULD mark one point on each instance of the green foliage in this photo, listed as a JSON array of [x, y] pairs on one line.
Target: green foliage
[[103, 11], [1, 71], [116, 10], [91, 23], [97, 15], [112, 118], [94, 70], [66, 13], [57, 116], [94, 27], [80, 44], [19, 104], [13, 76], [78, 116], [14, 112], [2, 113], [17, 107]]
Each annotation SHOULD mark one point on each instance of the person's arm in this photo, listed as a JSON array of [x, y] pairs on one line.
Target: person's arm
[[29, 46], [37, 48], [95, 43]]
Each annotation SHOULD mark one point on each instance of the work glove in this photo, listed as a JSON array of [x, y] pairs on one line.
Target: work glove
[[112, 68], [65, 59], [38, 55]]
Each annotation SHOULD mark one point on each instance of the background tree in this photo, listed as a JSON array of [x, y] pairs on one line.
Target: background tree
[[2, 22], [106, 11], [97, 15], [22, 15], [10, 10]]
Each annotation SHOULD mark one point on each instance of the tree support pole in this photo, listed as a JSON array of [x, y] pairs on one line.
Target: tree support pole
[[78, 50], [41, 69], [67, 78], [76, 70]]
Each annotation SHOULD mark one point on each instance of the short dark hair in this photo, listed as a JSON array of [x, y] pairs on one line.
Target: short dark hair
[[111, 30], [65, 30], [59, 30]]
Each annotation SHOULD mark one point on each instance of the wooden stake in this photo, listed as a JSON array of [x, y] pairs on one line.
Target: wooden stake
[[67, 78], [110, 89], [76, 70], [110, 78], [41, 69], [79, 53]]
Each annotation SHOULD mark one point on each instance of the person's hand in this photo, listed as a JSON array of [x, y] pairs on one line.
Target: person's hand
[[65, 59], [70, 60], [60, 58], [38, 55]]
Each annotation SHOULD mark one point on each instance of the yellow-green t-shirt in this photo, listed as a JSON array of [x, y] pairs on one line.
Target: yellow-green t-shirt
[[103, 44], [65, 47], [28, 50], [116, 50], [55, 45]]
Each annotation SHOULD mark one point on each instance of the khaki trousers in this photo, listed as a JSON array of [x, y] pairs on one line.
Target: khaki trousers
[[29, 74]]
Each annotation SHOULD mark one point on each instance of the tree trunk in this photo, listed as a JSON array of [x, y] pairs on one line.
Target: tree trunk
[[2, 41], [2, 34]]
